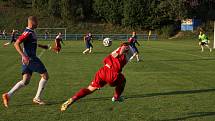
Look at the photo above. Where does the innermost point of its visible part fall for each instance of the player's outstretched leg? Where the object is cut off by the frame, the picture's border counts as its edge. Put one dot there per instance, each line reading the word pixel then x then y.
pixel 137 56
pixel 19 85
pixel 90 50
pixel 133 56
pixel 202 47
pixel 85 51
pixel 210 49
pixel 80 94
pixel 119 89
pixel 42 84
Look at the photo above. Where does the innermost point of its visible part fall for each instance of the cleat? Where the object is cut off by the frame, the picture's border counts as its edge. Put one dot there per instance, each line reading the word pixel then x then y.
pixel 38 101
pixel 120 99
pixel 5 99
pixel 66 104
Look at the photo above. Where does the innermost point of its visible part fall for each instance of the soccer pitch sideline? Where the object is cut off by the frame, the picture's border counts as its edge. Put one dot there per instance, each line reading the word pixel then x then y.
pixel 174 82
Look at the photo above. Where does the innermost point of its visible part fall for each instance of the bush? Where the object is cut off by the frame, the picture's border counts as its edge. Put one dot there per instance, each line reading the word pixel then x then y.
pixel 168 31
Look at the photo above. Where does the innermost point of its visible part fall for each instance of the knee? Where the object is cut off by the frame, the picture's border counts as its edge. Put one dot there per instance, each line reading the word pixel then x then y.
pixel 91 88
pixel 45 76
pixel 26 81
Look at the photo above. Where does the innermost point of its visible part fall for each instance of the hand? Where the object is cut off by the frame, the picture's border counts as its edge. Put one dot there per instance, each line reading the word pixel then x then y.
pixel 25 60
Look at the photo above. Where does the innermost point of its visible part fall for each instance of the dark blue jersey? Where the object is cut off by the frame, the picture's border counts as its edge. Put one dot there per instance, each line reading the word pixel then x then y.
pixel 88 38
pixel 29 40
pixel 133 41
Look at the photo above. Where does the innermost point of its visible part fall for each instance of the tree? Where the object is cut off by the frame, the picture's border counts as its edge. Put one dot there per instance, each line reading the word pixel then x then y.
pixel 54 8
pixel 109 10
pixel 40 5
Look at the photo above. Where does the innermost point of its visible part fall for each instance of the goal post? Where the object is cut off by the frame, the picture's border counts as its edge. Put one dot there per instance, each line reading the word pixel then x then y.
pixel 214 34
pixel 52 31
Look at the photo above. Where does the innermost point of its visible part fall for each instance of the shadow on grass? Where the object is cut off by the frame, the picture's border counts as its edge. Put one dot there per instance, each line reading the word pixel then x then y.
pixel 73 52
pixel 181 92
pixel 142 95
pixel 184 60
pixel 136 96
pixel 190 116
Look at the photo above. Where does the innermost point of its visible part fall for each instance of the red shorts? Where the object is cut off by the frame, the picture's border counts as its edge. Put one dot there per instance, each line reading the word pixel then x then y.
pixel 106 76
pixel 57 47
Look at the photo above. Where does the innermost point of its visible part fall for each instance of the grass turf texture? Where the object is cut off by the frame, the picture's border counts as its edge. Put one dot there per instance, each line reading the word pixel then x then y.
pixel 175 82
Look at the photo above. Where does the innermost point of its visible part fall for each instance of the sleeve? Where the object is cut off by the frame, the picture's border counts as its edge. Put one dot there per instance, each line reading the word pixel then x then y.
pixel 199 38
pixel 124 49
pixel 23 37
pixel 207 37
pixel 130 40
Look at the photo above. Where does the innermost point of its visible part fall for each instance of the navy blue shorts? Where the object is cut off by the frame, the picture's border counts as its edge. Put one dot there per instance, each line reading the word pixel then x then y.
pixel 89 45
pixel 135 49
pixel 35 65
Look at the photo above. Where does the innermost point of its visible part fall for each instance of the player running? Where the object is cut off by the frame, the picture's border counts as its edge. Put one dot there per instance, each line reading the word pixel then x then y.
pixel 58 41
pixel 204 41
pixel 110 73
pixel 133 41
pixel 30 62
pixel 87 41
pixel 13 38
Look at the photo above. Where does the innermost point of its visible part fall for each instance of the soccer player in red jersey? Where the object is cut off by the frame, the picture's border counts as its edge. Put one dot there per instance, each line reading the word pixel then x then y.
pixel 58 41
pixel 110 73
pixel 30 62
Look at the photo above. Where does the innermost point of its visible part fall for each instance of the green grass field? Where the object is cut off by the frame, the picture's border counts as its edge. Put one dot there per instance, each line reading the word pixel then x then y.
pixel 174 82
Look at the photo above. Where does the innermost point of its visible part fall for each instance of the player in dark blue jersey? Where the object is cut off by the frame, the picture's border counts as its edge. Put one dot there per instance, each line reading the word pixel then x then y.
pixel 13 38
pixel 87 41
pixel 30 62
pixel 133 41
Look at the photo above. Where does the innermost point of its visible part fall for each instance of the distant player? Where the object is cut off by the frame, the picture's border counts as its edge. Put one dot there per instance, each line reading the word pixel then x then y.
pixel 204 41
pixel 30 62
pixel 46 35
pixel 110 73
pixel 133 41
pixel 13 38
pixel 87 41
pixel 58 41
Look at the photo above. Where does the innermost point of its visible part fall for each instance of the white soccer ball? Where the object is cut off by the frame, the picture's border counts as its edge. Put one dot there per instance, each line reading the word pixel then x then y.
pixel 107 42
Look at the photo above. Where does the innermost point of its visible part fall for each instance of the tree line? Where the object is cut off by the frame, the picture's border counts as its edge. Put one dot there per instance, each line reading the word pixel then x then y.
pixel 145 14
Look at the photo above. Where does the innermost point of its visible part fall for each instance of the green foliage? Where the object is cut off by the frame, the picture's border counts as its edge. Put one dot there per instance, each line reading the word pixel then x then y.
pixel 134 13
pixel 109 10
pixel 54 8
pixel 130 14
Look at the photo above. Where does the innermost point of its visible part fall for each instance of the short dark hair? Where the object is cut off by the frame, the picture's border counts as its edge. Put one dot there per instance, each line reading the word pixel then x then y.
pixel 32 18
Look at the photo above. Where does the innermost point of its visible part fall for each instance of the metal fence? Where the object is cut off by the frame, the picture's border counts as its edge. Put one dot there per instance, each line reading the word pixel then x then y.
pixel 95 36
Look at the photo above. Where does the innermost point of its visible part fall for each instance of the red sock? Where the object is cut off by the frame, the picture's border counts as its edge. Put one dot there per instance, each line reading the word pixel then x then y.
pixel 81 93
pixel 119 89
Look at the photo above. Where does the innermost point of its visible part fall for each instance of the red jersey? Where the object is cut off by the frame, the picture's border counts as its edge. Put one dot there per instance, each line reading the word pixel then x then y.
pixel 58 40
pixel 118 58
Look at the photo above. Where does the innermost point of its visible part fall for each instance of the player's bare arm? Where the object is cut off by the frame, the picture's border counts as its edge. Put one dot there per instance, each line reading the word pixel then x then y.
pixel 25 58
pixel 43 46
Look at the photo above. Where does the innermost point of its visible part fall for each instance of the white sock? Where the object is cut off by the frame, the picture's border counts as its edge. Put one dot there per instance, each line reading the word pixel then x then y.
pixel 86 51
pixel 41 87
pixel 90 50
pixel 137 56
pixel 15 88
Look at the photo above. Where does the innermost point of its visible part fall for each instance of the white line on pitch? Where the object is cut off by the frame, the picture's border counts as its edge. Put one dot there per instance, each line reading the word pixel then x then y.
pixel 179 53
pixel 42 52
